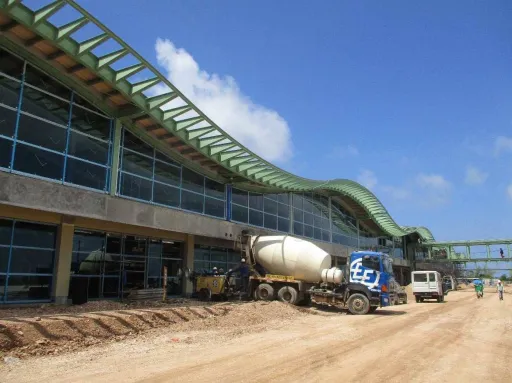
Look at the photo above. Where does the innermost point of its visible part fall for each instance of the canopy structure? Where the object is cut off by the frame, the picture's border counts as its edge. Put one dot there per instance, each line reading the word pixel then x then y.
pixel 85 54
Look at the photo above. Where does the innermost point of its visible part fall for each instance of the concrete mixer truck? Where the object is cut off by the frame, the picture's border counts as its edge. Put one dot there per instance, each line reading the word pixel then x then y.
pixel 297 271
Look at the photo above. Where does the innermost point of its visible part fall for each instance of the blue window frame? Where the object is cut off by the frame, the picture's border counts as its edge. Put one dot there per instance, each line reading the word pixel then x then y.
pixel 148 175
pixel 49 132
pixel 271 211
pixel 27 255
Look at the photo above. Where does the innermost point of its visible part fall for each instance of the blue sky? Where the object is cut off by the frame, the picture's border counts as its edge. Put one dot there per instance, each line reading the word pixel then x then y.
pixel 413 99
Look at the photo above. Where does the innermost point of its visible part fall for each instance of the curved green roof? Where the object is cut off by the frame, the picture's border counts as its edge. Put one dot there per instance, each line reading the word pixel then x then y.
pixel 184 119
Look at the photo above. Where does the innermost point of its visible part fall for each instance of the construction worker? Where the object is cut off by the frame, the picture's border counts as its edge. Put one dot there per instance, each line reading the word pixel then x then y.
pixel 244 271
pixel 479 289
pixel 500 289
pixel 215 272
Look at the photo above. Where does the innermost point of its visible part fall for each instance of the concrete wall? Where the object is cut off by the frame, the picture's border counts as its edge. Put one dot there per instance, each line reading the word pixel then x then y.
pixel 90 209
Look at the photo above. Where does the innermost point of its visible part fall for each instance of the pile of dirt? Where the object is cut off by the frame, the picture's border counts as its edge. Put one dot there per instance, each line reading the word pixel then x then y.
pixel 48 335
pixel 92 306
pixel 24 336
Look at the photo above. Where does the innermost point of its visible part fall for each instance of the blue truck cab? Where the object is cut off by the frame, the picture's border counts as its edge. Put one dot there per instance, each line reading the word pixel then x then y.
pixel 373 270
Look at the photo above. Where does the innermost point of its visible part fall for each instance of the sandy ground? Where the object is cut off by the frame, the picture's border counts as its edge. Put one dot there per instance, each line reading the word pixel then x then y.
pixel 460 340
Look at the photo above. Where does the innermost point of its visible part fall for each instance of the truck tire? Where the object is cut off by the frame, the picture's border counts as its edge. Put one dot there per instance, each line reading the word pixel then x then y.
pixel 288 294
pixel 205 295
pixel 264 292
pixel 358 304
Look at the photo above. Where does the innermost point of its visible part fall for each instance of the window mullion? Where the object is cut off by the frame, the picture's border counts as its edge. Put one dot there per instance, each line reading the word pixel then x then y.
pixel 20 101
pixel 68 134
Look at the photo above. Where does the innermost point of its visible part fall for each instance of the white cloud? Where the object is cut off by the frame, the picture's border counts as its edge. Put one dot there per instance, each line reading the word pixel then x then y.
pixel 435 189
pixel 397 193
pixel 432 182
pixel 368 179
pixel 475 176
pixel 502 144
pixel 344 152
pixel 509 191
pixel 260 129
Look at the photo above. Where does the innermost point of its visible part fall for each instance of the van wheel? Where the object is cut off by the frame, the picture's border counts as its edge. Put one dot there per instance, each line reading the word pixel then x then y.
pixel 264 292
pixel 288 294
pixel 358 304
pixel 418 299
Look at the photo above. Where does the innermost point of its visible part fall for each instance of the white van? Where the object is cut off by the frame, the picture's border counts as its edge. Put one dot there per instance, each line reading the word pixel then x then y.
pixel 427 285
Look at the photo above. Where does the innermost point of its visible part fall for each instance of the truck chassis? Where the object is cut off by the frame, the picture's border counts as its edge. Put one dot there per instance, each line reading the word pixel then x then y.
pixel 357 298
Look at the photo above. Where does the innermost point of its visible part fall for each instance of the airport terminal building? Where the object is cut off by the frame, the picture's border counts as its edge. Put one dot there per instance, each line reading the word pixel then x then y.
pixel 106 178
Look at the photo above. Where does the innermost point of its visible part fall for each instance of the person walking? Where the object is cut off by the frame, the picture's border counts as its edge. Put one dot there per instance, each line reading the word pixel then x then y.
pixel 500 289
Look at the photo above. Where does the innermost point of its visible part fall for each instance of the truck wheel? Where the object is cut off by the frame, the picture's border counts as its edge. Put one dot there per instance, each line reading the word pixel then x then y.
pixel 358 304
pixel 288 294
pixel 205 295
pixel 417 299
pixel 265 292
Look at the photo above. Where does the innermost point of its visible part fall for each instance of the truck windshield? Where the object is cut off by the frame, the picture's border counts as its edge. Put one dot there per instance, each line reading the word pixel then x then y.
pixel 371 262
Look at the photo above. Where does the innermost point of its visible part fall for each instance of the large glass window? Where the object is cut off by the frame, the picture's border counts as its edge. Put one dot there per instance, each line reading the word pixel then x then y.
pixel 110 265
pixel 344 225
pixel 56 138
pixel 148 175
pixel 271 211
pixel 27 254
pixel 311 216
pixel 208 257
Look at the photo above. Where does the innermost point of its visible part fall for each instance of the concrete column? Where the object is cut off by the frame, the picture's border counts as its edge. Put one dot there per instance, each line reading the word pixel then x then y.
pixel 188 262
pixel 63 263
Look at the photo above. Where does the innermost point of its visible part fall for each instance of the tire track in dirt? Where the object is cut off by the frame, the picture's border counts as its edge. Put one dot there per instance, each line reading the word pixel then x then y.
pixel 320 340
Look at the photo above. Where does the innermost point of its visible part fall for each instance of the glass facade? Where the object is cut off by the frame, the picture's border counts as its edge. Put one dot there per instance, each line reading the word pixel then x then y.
pixel 113 264
pixel 27 254
pixel 208 257
pixel 148 175
pixel 311 216
pixel 271 211
pixel 47 131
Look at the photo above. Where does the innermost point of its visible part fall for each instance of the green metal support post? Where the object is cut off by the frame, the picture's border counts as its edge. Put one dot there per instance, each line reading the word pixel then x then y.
pixel 115 156
pixel 488 248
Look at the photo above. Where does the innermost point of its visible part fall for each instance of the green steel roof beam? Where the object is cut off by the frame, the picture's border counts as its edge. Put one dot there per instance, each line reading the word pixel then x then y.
pixel 128 71
pixel 157 101
pixel 239 160
pixel 208 141
pixel 251 165
pixel 111 57
pixel 143 85
pixel 188 122
pixel 215 149
pixel 90 44
pixel 175 112
pixel 47 11
pixel 224 156
pixel 192 134
pixel 71 27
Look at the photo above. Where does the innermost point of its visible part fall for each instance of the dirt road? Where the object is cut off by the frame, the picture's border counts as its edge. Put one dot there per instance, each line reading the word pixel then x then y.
pixel 460 340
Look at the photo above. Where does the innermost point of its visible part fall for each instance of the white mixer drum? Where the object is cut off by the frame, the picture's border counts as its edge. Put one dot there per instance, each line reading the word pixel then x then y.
pixel 285 255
